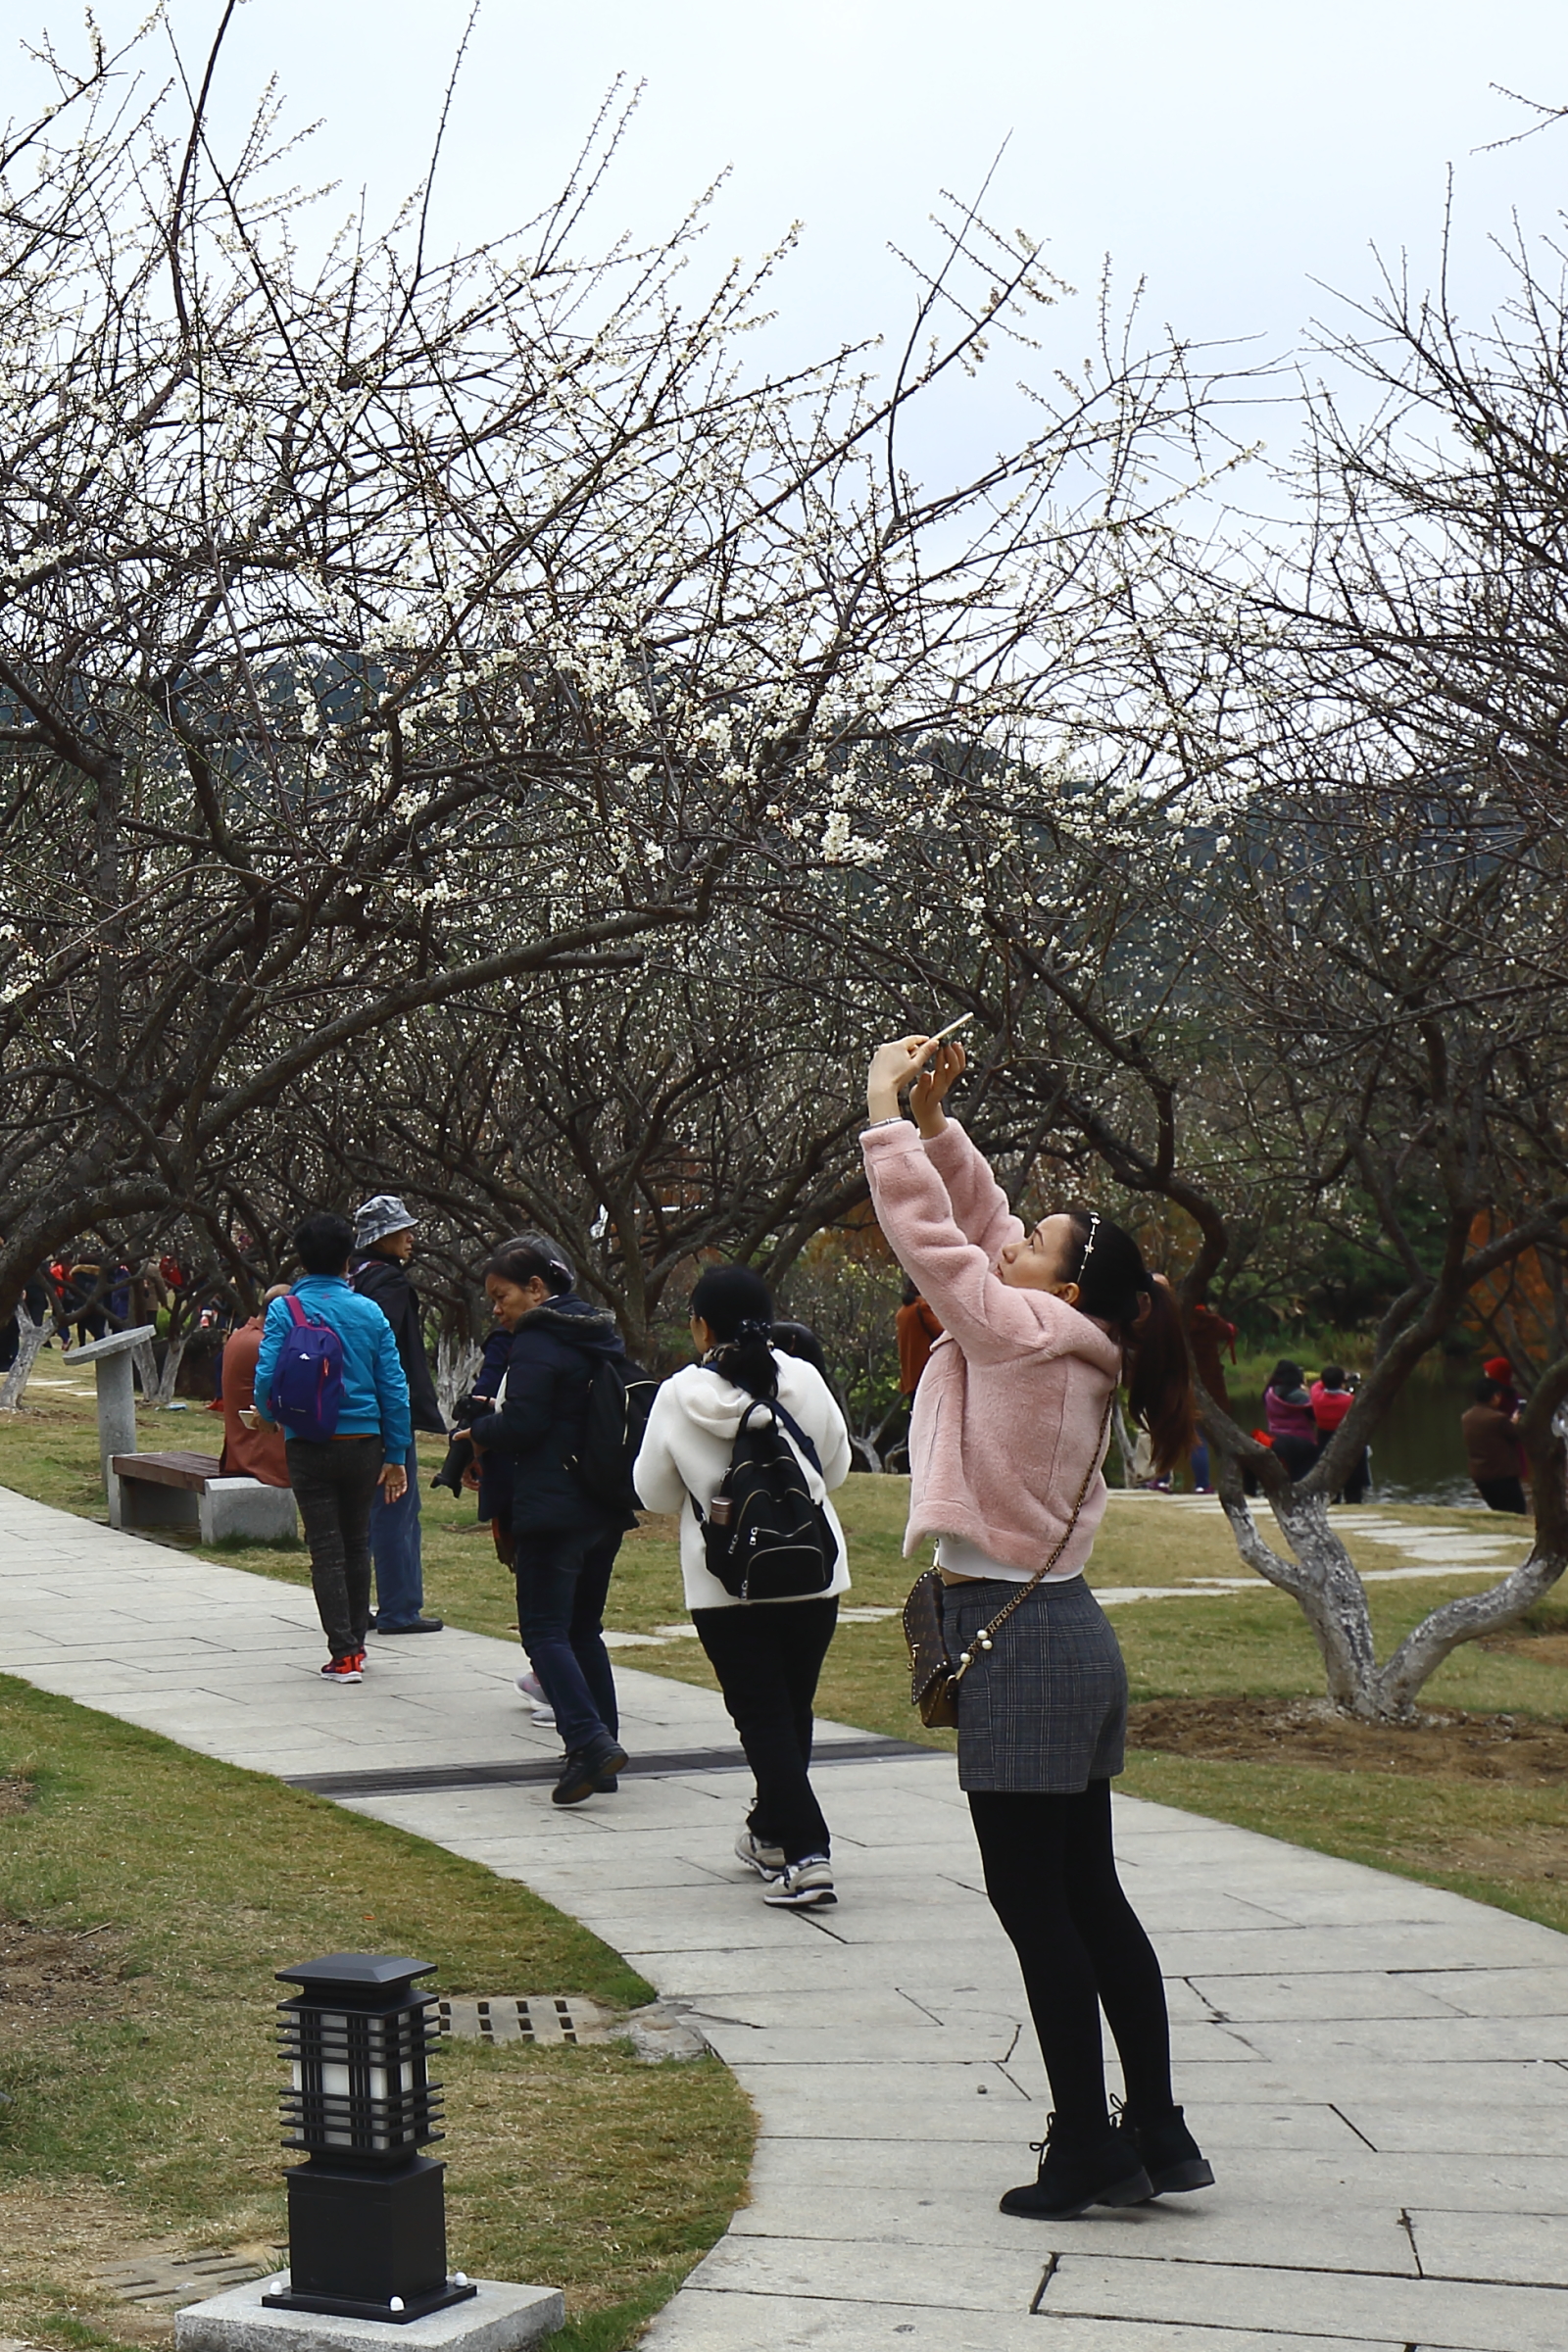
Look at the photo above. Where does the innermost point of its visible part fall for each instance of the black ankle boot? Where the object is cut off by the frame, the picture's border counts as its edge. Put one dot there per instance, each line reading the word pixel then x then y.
pixel 1104 2168
pixel 1172 2157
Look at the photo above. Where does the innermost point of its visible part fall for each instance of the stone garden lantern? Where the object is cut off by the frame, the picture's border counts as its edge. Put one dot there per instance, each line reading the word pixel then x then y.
pixel 367 2211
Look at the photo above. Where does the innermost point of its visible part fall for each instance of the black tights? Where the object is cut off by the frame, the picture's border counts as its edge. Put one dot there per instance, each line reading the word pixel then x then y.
pixel 1051 1874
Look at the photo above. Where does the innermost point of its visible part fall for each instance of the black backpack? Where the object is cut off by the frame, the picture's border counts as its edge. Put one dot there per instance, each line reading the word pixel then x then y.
pixel 621 1397
pixel 765 1536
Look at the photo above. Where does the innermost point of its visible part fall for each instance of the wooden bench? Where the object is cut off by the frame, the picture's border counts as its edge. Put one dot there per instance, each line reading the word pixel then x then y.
pixel 189 1490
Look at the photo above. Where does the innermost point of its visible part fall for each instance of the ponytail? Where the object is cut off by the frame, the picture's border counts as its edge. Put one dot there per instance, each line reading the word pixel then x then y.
pixel 1115 1287
pixel 735 1305
pixel 1159 1379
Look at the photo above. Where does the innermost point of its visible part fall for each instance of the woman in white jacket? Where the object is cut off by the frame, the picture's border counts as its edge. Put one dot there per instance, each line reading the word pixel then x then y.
pixel 768 1654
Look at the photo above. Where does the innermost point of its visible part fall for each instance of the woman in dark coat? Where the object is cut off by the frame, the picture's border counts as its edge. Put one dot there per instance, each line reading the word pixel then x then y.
pixel 563 1541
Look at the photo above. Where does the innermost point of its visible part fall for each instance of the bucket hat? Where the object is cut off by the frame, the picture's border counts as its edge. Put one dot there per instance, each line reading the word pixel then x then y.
pixel 375 1219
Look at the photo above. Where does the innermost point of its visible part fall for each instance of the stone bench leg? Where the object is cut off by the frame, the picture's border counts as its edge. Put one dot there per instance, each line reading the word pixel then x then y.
pixel 244 1507
pixel 143 1504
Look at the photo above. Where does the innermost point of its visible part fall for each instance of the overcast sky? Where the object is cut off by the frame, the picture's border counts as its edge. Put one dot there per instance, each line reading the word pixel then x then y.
pixel 1230 152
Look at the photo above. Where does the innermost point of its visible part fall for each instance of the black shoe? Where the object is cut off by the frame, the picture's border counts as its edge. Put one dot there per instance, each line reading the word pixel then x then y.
pixel 1104 2170
pixel 416 1625
pixel 1172 2157
pixel 587 1769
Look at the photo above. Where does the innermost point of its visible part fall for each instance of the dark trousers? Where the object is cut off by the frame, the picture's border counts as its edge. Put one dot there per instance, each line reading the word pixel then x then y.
pixel 1360 1475
pixel 1296 1453
pixel 1502 1493
pixel 563 1582
pixel 334 1486
pixel 1051 1874
pixel 767 1656
pixel 1360 1478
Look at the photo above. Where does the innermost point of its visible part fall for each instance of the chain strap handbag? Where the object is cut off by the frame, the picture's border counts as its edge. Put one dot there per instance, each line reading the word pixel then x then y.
pixel 934 1673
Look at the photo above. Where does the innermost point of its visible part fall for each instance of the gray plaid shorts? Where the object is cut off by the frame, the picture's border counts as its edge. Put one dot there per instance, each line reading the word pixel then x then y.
pixel 1045 1708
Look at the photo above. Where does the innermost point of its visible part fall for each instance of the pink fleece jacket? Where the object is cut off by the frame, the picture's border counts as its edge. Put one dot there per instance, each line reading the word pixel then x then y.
pixel 1007 1414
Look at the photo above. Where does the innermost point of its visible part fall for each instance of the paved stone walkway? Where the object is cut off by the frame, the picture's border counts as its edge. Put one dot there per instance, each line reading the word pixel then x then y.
pixel 1379 2071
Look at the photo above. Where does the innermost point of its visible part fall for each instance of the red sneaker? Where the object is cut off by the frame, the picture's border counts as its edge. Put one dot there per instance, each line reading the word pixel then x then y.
pixel 350 1669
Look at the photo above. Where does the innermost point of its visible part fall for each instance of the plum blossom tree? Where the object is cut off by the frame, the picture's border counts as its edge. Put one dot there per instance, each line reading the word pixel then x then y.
pixel 1252 954
pixel 386 632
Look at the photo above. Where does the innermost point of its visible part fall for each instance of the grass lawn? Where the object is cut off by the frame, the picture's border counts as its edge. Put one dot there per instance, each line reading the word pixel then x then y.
pixel 147 1895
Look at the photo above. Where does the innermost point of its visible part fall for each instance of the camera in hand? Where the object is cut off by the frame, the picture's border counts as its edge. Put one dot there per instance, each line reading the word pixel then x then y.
pixel 459 1454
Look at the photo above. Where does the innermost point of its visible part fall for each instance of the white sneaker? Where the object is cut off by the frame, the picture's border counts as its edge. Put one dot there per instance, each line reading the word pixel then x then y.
pixel 803 1882
pixel 766 1860
pixel 532 1689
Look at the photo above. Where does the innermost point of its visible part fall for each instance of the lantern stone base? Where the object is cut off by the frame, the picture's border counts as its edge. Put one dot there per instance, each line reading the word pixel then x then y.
pixel 500 2317
pixel 357 2240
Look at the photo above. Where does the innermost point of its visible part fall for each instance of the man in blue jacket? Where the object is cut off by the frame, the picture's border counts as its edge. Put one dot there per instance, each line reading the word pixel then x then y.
pixel 335 1479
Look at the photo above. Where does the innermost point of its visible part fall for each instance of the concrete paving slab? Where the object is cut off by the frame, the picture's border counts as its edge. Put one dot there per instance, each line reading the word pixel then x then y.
pixel 1527 2248
pixel 1224 2227
pixel 1429 1946
pixel 1425 2041
pixel 1421 2124
pixel 702 2320
pixel 1325 1997
pixel 1428 2312
pixel 1347 2042
pixel 1352 2172
pixel 938 2278
pixel 1524 1991
pixel 1464 2085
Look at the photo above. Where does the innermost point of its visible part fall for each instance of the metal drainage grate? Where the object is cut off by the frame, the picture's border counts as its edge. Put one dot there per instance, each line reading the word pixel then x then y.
pixel 160 2278
pixel 512 2016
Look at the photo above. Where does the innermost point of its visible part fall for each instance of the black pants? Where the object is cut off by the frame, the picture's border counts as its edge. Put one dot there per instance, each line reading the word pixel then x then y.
pixel 767 1656
pixel 1360 1478
pixel 562 1584
pixel 1296 1453
pixel 334 1486
pixel 1502 1493
pixel 1051 1874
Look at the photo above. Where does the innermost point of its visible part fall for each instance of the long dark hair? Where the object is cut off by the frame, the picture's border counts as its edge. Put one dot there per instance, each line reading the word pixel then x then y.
pixel 1286 1377
pixel 735 1305
pixel 1115 1287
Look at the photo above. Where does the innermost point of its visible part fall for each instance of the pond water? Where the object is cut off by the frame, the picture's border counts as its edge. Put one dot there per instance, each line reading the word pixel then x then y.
pixel 1418 1453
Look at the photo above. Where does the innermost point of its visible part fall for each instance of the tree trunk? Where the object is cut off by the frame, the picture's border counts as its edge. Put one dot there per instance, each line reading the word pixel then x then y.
pixel 164 1386
pixel 1322 1580
pixel 158 1387
pixel 30 1336
pixel 1126 1443
pixel 456 1361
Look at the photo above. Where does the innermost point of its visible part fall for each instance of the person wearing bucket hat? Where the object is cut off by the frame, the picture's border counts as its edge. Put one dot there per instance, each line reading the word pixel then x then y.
pixel 383 1243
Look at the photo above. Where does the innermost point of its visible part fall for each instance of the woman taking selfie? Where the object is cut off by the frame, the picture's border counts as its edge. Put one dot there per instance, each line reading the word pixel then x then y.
pixel 1008 1434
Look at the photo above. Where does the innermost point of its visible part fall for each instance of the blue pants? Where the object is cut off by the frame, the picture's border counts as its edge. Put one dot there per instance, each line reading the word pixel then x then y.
pixel 395 1550
pixel 563 1582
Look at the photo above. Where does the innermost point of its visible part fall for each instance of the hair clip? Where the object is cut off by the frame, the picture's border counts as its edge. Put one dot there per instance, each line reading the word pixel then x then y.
pixel 1094 1228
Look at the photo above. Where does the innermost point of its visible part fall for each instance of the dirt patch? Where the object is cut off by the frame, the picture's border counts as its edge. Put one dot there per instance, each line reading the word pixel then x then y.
pixel 45 1974
pixel 1544 1650
pixel 14 1796
pixel 1306 1731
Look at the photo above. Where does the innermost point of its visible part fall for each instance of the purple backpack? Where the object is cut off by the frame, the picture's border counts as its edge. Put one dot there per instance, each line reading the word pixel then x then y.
pixel 307 1377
